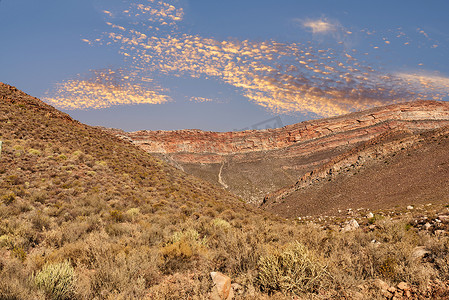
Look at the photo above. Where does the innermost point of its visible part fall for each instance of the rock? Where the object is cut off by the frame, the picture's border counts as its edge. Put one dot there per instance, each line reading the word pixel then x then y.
pixel 370 215
pixel 419 252
pixel 251 291
pixel 410 207
pixel 403 286
pixel 392 289
pixel 427 226
pixel 381 284
pixel 352 225
pixel 222 289
pixel 444 218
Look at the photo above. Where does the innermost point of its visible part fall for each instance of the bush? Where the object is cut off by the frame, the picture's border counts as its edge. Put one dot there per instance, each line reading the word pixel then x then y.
pixel 292 271
pixel 57 280
pixel 9 198
pixel 182 249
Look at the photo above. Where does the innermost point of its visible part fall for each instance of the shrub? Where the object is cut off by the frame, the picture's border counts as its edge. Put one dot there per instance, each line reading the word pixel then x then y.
pixel 9 198
pixel 19 253
pixel 292 271
pixel 221 224
pixel 117 215
pixel 34 152
pixel 387 268
pixel 57 280
pixel 182 249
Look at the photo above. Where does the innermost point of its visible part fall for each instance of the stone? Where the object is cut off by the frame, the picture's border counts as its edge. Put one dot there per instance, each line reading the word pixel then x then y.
pixel 381 284
pixel 198 148
pixel 352 225
pixel 410 207
pixel 403 286
pixel 222 286
pixel 420 252
pixel 392 289
pixel 444 218
pixel 427 226
pixel 370 215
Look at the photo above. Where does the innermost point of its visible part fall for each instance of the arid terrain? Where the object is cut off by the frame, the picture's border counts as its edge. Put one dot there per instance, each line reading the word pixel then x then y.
pixel 262 164
pixel 360 208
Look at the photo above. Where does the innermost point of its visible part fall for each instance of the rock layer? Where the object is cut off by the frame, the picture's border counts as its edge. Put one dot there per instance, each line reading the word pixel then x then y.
pixel 254 163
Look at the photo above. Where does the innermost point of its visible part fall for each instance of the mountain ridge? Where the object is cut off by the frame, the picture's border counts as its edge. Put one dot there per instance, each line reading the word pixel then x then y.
pixel 254 163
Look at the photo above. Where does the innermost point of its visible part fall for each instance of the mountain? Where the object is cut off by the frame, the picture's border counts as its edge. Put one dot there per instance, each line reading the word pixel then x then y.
pixel 254 163
pixel 397 169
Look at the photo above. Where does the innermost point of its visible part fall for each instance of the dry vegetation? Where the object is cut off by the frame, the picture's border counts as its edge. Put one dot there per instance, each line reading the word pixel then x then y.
pixel 84 215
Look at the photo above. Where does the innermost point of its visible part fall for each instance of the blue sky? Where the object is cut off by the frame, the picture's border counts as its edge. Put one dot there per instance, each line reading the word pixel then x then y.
pixel 222 65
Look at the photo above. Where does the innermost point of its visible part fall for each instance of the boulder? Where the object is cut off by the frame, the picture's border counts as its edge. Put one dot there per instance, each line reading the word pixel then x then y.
pixel 403 286
pixel 382 285
pixel 352 225
pixel 419 252
pixel 222 287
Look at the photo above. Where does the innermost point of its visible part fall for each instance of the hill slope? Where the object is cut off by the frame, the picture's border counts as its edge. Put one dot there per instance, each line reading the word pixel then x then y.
pixel 72 192
pixel 84 215
pixel 397 169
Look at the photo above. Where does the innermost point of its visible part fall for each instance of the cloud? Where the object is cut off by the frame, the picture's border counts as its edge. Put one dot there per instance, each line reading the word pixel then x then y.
pixel 200 99
pixel 101 89
pixel 423 82
pixel 321 26
pixel 281 77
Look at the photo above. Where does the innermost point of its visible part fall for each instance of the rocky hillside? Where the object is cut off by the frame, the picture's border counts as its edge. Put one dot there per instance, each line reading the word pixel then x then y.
pixel 86 215
pixel 253 163
pixel 397 169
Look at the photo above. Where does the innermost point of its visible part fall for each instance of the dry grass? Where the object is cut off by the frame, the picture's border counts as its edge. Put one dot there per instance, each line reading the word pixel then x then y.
pixel 134 227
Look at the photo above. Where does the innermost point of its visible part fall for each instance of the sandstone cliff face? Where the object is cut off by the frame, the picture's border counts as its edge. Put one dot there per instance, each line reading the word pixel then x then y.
pixel 223 143
pixel 254 163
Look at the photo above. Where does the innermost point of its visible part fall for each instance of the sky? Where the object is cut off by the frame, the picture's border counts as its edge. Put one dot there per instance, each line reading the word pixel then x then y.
pixel 223 65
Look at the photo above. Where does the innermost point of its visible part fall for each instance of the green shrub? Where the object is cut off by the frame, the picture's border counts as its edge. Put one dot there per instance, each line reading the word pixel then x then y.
pixel 294 270
pixel 19 253
pixel 57 280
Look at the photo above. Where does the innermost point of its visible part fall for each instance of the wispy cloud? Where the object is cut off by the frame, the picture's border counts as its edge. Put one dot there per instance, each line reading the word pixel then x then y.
pixel 102 89
pixel 200 99
pixel 282 77
pixel 320 26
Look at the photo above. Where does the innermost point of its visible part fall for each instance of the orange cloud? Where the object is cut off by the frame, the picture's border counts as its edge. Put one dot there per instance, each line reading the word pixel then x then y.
pixel 282 77
pixel 102 89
